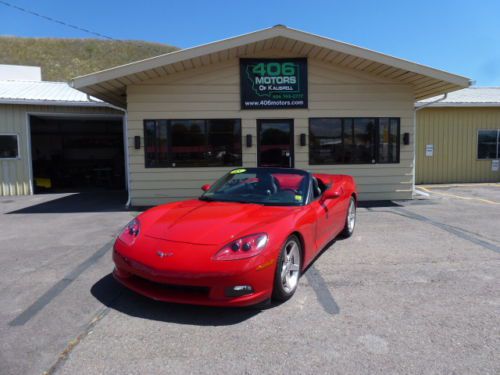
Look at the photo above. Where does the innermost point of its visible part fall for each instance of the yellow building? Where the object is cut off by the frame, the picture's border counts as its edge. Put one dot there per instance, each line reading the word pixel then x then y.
pixel 276 97
pixel 458 137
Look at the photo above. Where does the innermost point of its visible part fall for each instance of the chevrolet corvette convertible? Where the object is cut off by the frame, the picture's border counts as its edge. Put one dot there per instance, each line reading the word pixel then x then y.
pixel 245 240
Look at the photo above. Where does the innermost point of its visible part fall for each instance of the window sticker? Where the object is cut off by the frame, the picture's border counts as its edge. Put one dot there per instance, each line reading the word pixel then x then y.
pixel 298 198
pixel 238 171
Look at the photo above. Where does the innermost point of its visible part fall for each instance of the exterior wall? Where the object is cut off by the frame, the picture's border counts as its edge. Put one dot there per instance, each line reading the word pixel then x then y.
pixel 15 173
pixel 453 132
pixel 213 91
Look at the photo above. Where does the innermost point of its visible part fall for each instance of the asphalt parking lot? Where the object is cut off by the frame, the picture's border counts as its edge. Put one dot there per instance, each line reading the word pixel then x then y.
pixel 415 290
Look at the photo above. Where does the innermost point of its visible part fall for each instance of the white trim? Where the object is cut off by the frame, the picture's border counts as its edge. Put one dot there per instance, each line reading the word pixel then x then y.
pixel 18 157
pixel 190 53
pixel 127 158
pixel 458 104
pixel 28 150
pixel 59 103
pixel 75 114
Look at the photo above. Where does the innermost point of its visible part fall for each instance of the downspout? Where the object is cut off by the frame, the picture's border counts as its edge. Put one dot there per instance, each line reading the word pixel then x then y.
pixel 445 95
pixel 125 138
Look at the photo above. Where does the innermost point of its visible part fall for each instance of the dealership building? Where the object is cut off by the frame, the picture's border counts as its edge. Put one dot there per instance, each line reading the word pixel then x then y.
pixel 276 97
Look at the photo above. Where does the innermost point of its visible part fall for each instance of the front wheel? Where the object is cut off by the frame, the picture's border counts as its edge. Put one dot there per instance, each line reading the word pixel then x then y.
pixel 288 268
pixel 350 220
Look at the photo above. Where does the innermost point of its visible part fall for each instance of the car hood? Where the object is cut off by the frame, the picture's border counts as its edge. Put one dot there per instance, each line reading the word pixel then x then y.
pixel 210 223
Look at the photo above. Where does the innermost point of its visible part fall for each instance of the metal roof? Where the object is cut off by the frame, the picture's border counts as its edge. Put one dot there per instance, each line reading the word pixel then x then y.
pixel 45 93
pixel 470 97
pixel 110 85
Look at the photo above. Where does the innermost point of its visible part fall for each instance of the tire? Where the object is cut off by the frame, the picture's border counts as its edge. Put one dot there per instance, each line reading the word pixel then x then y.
pixel 286 278
pixel 350 221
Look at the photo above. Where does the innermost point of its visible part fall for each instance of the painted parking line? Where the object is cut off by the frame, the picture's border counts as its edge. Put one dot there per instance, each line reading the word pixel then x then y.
pixel 458 232
pixel 429 190
pixel 58 287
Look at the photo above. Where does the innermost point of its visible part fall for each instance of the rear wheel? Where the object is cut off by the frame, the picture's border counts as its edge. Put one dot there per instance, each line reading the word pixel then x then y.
pixel 350 220
pixel 288 268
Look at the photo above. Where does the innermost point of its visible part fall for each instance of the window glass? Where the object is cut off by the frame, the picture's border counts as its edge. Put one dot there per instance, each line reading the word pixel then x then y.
pixel 192 143
pixel 361 148
pixel 188 142
pixel 326 141
pixel 8 146
pixel 487 146
pixel 224 142
pixel 353 140
pixel 388 140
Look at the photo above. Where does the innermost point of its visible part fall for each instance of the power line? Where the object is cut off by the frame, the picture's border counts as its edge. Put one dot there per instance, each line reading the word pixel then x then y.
pixel 55 20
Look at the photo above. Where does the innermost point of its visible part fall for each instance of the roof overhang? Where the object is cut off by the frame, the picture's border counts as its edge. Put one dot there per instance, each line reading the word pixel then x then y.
pixel 54 103
pixel 110 85
pixel 457 104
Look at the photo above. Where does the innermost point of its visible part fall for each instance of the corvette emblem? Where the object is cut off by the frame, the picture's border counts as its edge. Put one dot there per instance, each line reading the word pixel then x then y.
pixel 163 254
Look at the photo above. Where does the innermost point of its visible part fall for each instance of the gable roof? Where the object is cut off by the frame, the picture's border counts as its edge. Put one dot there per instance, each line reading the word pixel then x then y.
pixel 110 85
pixel 470 97
pixel 45 93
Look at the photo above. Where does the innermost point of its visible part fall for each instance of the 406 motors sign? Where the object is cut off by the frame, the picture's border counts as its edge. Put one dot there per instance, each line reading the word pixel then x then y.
pixel 273 83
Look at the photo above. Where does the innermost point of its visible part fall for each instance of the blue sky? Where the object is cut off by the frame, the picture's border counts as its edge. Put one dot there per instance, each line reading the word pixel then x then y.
pixel 459 36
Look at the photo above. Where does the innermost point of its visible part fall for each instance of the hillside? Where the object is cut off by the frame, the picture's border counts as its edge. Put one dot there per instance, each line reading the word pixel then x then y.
pixel 63 59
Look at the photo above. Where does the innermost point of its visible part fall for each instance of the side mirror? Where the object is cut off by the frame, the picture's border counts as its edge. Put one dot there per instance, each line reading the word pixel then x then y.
pixel 332 194
pixel 205 187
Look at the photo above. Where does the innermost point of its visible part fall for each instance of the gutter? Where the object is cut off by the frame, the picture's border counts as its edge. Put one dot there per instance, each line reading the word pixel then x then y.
pixel 125 138
pixel 57 103
pixel 445 95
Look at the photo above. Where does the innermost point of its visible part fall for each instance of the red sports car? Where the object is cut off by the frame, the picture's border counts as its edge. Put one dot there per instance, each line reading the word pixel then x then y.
pixel 245 240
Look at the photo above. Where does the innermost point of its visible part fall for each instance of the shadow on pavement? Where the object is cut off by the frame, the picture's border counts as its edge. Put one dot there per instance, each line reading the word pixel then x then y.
pixel 112 294
pixel 377 204
pixel 108 201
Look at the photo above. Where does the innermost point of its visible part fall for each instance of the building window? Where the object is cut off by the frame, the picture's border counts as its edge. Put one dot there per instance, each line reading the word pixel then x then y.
pixel 354 140
pixel 192 143
pixel 9 146
pixel 488 144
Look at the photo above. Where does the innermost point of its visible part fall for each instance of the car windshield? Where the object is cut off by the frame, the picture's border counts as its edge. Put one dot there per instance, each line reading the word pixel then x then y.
pixel 267 186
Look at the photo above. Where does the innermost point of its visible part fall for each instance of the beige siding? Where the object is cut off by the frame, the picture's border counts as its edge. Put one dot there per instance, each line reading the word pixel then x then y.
pixel 453 132
pixel 15 174
pixel 213 92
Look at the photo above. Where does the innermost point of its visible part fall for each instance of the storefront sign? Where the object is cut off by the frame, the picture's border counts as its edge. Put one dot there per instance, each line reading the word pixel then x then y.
pixel 273 83
pixel 429 150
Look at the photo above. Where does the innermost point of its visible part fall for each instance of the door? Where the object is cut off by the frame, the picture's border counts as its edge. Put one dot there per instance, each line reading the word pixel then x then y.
pixel 275 143
pixel 330 214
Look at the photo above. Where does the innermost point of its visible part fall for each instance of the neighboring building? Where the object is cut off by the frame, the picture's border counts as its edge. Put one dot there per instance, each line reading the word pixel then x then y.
pixel 54 138
pixel 458 138
pixel 276 97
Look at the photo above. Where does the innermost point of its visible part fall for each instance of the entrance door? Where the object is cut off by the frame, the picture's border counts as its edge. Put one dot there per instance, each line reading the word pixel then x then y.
pixel 275 143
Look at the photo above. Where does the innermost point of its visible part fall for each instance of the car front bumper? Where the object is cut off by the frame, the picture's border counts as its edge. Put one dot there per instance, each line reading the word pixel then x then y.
pixel 189 285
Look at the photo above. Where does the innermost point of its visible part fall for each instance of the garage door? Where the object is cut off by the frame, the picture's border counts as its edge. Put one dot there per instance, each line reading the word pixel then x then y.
pixel 77 154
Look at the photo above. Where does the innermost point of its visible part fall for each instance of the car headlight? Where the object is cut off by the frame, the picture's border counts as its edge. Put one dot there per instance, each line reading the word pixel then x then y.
pixel 244 247
pixel 130 232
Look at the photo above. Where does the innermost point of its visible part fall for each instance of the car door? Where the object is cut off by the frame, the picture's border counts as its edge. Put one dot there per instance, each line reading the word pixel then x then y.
pixel 324 210
pixel 330 215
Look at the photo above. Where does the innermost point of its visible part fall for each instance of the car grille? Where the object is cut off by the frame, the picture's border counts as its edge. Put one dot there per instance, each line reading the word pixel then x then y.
pixel 173 288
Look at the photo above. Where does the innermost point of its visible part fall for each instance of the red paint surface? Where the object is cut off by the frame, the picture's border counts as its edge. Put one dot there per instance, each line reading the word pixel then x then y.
pixel 190 233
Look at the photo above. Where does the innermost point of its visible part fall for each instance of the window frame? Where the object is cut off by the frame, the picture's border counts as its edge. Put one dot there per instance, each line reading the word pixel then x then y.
pixel 375 147
pixel 18 157
pixel 168 162
pixel 498 144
